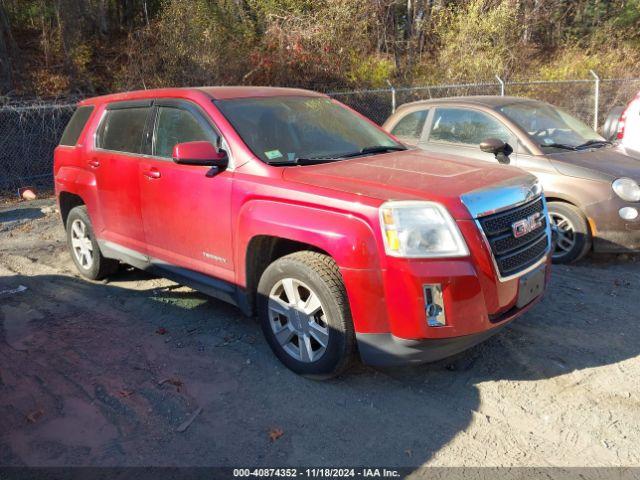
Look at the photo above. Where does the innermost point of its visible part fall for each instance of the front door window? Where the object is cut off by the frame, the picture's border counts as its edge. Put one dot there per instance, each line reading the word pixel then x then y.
pixel 467 127
pixel 175 125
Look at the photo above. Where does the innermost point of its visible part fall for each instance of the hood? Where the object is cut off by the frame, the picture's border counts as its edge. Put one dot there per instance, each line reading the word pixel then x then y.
pixel 410 175
pixel 604 164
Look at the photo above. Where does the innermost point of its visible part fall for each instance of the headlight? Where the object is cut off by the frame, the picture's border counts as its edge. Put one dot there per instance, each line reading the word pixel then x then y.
pixel 536 188
pixel 420 229
pixel 627 189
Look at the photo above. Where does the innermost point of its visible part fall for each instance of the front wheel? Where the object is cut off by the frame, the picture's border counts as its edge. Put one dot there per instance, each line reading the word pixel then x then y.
pixel 304 314
pixel 573 234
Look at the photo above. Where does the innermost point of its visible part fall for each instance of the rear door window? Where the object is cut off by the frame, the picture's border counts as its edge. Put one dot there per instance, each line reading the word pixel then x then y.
pixel 122 130
pixel 409 128
pixel 175 125
pixel 75 126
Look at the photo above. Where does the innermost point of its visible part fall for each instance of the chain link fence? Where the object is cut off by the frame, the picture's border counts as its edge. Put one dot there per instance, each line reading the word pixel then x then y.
pixel 29 132
pixel 588 99
pixel 575 96
pixel 615 92
pixel 28 135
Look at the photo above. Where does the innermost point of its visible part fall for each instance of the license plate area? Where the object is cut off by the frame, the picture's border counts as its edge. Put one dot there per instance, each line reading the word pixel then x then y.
pixel 530 286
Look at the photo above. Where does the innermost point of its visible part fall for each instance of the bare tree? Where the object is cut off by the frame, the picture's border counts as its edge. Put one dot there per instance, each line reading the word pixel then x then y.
pixel 7 49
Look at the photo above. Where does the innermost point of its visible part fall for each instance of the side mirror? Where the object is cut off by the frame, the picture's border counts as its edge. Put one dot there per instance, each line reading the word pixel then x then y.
pixel 499 148
pixel 200 153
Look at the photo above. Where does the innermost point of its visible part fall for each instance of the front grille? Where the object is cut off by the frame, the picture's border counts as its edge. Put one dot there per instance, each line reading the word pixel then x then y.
pixel 513 255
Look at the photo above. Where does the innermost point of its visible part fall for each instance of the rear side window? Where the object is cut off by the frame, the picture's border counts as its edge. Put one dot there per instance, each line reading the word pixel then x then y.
pixel 410 126
pixel 122 129
pixel 178 126
pixel 75 126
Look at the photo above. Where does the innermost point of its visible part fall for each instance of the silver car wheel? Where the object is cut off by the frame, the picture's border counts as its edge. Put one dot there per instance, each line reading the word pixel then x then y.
pixel 566 235
pixel 298 321
pixel 81 244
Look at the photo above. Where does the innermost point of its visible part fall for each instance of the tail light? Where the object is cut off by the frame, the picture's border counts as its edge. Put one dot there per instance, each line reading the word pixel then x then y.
pixel 623 118
pixel 620 133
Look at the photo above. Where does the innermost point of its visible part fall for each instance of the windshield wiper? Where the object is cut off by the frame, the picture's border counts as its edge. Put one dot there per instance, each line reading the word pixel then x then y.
pixel 558 145
pixel 304 161
pixel 375 149
pixel 593 143
pixel 313 160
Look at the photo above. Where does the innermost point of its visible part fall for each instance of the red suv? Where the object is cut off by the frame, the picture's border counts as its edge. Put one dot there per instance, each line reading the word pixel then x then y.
pixel 295 208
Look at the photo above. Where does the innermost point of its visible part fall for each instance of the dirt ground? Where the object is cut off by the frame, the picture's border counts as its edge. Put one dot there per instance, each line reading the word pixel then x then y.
pixel 108 373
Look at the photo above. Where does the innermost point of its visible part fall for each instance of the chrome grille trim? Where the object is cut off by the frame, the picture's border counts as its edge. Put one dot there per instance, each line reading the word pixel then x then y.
pixel 531 242
pixel 503 196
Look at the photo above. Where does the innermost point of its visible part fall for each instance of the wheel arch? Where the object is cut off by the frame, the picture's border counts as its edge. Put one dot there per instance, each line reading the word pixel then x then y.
pixel 558 198
pixel 268 230
pixel 75 186
pixel 262 251
pixel 590 227
pixel 66 202
pixel 562 199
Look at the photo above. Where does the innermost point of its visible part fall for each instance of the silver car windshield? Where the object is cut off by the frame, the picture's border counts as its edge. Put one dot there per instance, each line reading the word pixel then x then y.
pixel 281 130
pixel 551 127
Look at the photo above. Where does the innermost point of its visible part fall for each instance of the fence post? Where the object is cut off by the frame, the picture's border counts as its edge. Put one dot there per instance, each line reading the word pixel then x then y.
pixel 501 82
pixel 596 99
pixel 393 96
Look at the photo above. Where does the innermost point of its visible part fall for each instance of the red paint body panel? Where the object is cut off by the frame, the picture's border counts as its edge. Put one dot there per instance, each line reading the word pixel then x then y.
pixel 407 175
pixel 178 215
pixel 122 220
pixel 187 216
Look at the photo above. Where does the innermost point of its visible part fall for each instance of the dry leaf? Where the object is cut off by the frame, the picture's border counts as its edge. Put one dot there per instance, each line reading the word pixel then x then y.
pixel 176 382
pixel 34 416
pixel 162 331
pixel 275 434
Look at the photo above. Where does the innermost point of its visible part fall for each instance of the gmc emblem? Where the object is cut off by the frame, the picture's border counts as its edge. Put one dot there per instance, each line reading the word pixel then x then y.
pixel 526 225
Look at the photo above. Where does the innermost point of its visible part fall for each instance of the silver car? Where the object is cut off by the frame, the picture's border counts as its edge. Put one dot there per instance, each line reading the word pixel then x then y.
pixel 591 185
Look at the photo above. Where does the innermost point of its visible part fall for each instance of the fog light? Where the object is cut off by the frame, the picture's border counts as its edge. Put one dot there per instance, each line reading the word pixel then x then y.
pixel 628 213
pixel 434 306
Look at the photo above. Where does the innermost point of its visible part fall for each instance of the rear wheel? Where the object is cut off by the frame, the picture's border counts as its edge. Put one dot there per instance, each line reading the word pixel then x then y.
pixel 304 314
pixel 84 248
pixel 573 234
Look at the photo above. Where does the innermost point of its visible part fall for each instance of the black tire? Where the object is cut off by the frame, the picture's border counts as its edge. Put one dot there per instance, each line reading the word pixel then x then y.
pixel 581 233
pixel 610 128
pixel 320 273
pixel 100 266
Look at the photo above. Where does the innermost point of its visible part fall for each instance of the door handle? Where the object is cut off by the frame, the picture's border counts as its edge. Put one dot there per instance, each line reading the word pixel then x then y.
pixel 94 163
pixel 152 173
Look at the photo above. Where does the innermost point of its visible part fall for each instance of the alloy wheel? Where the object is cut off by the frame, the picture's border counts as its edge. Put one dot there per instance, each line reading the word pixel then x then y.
pixel 298 321
pixel 81 244
pixel 566 235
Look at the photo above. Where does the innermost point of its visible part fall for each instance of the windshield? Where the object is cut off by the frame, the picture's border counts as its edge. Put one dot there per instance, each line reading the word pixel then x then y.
pixel 549 126
pixel 285 129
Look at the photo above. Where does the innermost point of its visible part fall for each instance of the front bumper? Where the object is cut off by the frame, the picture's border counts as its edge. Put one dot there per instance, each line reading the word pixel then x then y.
pixel 414 310
pixel 387 350
pixel 612 234
pixel 388 305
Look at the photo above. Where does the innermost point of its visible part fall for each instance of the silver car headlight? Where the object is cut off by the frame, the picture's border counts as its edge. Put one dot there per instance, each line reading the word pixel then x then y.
pixel 416 229
pixel 627 189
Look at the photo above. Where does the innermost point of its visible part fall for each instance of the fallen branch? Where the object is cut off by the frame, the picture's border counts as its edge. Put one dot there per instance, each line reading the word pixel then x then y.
pixel 187 423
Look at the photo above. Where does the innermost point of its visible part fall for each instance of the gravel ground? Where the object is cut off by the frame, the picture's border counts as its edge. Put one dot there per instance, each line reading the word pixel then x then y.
pixel 108 373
